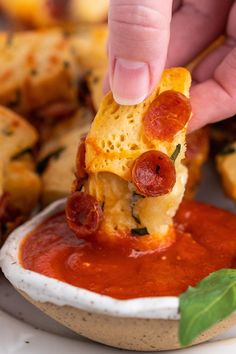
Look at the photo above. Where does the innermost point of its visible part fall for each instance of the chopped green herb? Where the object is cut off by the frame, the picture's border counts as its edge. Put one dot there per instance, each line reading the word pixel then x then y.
pixel 66 64
pixel 134 199
pixel 33 72
pixel 229 149
pixel 22 153
pixel 176 152
pixel 7 131
pixel 42 164
pixel 135 216
pixel 16 101
pixel 140 231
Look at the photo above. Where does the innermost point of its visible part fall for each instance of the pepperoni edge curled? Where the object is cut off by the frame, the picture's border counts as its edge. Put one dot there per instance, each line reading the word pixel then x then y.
pixel 83 214
pixel 153 174
pixel 167 115
pixel 80 167
pixel 80 159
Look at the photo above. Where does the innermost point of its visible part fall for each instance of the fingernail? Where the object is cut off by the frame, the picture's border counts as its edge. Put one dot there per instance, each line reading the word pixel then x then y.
pixel 130 82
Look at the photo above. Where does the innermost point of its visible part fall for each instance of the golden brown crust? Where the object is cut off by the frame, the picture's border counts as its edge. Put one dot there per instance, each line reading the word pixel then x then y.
pixel 116 139
pixel 226 165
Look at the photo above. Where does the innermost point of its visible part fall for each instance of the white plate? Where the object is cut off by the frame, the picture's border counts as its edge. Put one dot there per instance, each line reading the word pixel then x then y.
pixel 26 330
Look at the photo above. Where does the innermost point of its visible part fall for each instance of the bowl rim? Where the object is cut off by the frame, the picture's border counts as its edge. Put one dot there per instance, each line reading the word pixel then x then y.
pixel 45 289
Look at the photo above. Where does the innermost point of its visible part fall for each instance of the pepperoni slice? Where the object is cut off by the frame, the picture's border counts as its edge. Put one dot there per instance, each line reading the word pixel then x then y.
pixel 80 168
pixel 167 115
pixel 83 213
pixel 153 174
pixel 80 160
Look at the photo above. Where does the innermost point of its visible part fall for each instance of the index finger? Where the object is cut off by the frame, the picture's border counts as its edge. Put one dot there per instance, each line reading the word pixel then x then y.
pixel 215 99
pixel 194 26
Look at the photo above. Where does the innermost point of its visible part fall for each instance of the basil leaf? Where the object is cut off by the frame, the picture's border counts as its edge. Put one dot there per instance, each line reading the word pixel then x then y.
pixel 42 164
pixel 140 231
pixel 212 300
pixel 176 152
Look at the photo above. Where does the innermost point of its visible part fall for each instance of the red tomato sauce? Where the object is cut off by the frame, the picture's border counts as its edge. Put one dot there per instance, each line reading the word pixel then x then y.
pixel 205 242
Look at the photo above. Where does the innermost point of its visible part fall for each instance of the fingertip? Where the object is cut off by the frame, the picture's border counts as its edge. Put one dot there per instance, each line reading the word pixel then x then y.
pixel 138 43
pixel 130 81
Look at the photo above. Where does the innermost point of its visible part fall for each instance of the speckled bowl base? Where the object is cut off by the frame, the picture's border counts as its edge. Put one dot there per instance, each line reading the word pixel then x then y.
pixel 141 324
pixel 125 333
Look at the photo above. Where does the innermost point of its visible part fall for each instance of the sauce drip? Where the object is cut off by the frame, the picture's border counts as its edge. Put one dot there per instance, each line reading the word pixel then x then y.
pixel 205 242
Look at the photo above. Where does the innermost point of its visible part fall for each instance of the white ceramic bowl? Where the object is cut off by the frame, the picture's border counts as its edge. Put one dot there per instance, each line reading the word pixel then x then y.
pixel 144 324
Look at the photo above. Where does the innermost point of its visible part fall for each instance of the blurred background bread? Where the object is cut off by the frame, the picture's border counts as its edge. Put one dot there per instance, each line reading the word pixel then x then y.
pixel 44 13
pixel 20 185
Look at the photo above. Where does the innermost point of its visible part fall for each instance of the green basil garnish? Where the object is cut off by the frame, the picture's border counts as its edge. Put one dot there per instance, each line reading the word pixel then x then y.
pixel 212 300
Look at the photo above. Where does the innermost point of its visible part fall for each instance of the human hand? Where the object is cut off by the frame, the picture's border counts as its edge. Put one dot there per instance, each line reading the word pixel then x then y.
pixel 138 43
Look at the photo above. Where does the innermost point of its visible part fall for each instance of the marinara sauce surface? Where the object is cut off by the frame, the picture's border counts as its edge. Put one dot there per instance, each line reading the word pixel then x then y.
pixel 205 242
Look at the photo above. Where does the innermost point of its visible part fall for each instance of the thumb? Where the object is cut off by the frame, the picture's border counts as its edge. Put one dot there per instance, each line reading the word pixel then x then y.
pixel 137 48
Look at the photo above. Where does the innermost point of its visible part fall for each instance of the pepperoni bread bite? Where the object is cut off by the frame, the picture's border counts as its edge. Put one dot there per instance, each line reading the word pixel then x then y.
pixel 130 176
pixel 16 135
pixel 57 155
pixel 37 69
pixel 90 46
pixel 20 186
